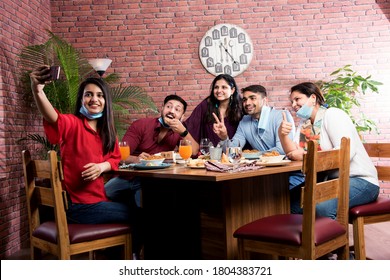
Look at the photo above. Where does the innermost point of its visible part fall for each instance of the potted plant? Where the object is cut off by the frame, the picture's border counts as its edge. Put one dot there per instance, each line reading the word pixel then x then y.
pixel 343 91
pixel 62 93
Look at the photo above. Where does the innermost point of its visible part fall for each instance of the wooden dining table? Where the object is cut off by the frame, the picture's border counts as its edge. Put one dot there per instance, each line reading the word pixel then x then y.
pixel 192 213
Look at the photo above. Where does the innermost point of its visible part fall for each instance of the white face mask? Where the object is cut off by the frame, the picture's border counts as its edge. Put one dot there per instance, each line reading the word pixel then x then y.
pixel 305 111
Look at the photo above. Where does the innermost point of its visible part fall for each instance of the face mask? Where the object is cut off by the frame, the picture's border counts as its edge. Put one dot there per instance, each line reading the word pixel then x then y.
pixel 88 115
pixel 161 120
pixel 305 112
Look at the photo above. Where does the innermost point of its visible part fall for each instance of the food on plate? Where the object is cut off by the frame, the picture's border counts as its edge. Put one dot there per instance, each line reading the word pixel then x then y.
pixel 196 163
pixel 247 151
pixel 271 154
pixel 205 157
pixel 154 157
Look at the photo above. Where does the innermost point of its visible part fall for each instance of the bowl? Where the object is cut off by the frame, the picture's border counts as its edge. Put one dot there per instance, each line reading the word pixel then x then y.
pixel 152 162
pixel 271 159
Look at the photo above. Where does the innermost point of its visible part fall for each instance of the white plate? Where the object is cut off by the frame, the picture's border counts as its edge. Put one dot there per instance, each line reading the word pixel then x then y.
pixel 279 163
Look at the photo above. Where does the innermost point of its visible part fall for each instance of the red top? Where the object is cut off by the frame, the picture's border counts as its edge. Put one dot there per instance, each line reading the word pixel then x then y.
pixel 79 145
pixel 142 137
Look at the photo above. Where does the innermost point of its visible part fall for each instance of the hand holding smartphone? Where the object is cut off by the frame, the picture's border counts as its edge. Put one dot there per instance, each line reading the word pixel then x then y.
pixel 55 72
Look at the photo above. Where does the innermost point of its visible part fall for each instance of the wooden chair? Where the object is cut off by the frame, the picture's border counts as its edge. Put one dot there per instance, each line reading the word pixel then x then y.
pixel 375 212
pixel 43 190
pixel 306 236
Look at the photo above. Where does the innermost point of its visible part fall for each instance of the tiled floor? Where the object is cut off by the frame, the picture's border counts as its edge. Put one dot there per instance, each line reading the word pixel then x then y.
pixel 377 245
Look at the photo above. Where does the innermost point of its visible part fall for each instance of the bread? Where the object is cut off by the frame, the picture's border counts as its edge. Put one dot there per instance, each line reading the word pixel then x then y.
pixel 271 154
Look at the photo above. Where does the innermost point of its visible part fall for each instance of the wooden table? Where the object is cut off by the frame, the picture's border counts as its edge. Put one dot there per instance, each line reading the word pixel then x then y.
pixel 192 213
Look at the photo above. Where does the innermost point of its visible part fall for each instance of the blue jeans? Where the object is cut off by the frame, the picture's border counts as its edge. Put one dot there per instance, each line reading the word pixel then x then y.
pixel 123 190
pixel 98 213
pixel 360 192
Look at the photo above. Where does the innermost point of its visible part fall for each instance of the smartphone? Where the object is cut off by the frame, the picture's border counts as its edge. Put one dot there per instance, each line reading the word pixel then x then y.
pixel 55 72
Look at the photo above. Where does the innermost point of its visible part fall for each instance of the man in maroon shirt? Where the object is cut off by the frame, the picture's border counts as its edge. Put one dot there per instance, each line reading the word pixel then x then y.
pixel 148 136
pixel 145 137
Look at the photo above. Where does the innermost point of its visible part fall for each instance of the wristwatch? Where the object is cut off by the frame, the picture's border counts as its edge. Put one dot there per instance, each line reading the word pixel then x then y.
pixel 184 134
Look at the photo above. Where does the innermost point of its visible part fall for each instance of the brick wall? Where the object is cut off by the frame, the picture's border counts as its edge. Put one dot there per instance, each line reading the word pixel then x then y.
pixel 22 23
pixel 154 44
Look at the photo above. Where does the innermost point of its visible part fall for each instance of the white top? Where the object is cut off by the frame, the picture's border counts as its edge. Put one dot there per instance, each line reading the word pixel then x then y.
pixel 336 124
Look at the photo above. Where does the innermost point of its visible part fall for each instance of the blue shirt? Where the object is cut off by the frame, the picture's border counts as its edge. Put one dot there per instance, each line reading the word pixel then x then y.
pixel 262 134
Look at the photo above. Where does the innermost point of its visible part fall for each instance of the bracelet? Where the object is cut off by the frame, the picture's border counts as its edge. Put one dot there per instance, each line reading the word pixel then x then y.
pixel 184 134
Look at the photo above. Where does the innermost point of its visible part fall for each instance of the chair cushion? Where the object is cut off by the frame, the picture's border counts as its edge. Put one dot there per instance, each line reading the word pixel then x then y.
pixel 80 232
pixel 380 206
pixel 287 229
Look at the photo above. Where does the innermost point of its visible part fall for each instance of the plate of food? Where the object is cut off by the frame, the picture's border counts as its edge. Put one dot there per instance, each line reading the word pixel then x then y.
pixel 272 157
pixel 153 160
pixel 251 154
pixel 149 166
pixel 196 164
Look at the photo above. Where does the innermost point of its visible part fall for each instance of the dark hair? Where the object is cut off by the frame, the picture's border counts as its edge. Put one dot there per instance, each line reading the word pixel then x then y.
pixel 178 98
pixel 308 89
pixel 105 124
pixel 256 89
pixel 234 111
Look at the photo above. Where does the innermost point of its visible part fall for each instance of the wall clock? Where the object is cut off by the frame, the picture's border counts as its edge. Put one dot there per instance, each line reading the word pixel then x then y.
pixel 226 49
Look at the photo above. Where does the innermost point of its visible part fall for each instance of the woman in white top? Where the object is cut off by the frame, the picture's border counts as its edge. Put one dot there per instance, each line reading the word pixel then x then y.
pixel 327 126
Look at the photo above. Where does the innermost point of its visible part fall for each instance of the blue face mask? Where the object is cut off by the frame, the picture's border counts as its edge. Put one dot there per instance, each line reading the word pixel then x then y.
pixel 161 120
pixel 88 115
pixel 305 112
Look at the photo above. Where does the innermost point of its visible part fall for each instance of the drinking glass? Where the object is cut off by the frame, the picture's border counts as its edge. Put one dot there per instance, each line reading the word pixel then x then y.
pixel 125 151
pixel 204 146
pixel 185 150
pixel 234 153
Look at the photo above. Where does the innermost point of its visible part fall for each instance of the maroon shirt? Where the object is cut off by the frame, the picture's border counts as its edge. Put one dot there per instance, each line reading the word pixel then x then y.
pixel 142 137
pixel 199 128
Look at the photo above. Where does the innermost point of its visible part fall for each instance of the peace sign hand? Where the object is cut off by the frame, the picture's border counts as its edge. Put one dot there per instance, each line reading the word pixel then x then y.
pixel 219 128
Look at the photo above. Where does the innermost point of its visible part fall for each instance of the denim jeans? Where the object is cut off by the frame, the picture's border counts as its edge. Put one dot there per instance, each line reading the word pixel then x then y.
pixel 123 190
pixel 98 213
pixel 360 192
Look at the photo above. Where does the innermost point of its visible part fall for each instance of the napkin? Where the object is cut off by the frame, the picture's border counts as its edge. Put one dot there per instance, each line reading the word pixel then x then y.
pixel 220 167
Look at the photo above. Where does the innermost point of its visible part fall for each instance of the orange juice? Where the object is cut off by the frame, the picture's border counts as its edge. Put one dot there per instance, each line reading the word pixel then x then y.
pixel 125 152
pixel 185 151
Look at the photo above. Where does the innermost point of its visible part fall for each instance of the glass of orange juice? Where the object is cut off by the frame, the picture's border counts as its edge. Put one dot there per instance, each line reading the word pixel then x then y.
pixel 185 149
pixel 125 151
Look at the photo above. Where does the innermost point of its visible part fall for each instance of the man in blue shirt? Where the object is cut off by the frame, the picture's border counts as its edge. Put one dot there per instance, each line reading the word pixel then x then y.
pixel 260 126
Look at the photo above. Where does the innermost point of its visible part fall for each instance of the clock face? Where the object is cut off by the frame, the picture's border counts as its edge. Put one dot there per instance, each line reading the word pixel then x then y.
pixel 226 49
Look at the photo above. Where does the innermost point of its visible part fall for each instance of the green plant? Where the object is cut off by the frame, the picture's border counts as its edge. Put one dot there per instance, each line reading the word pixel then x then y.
pixel 344 90
pixel 62 93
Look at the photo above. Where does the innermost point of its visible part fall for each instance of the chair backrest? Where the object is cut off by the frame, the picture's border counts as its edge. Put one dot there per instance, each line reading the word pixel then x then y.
pixel 44 190
pixel 380 151
pixel 315 192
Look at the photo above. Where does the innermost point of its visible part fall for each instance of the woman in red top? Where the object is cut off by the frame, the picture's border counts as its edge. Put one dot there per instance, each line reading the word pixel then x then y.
pixel 88 148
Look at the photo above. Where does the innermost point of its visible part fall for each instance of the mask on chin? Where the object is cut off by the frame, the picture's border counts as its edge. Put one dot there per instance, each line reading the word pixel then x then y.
pixel 161 120
pixel 88 115
pixel 305 112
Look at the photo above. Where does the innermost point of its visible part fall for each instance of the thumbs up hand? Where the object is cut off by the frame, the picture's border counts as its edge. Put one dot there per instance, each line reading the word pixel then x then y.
pixel 285 126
